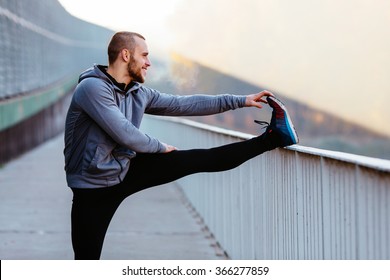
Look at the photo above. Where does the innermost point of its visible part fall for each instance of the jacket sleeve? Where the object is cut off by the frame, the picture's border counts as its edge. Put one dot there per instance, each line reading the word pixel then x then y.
pixel 191 105
pixel 96 99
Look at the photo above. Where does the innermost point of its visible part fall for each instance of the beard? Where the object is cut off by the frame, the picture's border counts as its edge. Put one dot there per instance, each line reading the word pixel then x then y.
pixel 135 73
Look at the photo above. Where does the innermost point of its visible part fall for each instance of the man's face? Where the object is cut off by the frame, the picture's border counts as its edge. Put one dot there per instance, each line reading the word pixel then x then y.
pixel 139 61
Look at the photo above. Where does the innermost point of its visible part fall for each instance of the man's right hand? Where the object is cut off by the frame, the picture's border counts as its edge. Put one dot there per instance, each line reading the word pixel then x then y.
pixel 255 100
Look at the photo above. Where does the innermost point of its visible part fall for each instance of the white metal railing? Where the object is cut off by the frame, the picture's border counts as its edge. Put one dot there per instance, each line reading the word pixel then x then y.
pixel 293 203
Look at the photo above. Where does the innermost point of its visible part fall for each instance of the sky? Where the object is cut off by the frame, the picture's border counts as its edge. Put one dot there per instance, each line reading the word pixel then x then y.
pixel 333 55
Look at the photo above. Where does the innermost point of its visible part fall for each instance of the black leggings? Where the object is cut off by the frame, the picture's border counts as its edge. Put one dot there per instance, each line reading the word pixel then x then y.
pixel 93 209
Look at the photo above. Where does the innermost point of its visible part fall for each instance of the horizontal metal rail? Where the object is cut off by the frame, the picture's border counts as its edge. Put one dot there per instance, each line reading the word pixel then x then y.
pixel 21 107
pixel 291 203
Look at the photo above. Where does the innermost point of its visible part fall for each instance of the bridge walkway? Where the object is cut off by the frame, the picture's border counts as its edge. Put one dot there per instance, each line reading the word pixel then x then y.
pixel 158 223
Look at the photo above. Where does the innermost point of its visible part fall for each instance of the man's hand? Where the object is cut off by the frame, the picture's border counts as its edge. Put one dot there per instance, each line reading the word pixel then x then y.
pixel 169 148
pixel 255 100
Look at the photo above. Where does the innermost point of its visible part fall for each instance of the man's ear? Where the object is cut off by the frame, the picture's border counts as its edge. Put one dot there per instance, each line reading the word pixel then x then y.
pixel 125 54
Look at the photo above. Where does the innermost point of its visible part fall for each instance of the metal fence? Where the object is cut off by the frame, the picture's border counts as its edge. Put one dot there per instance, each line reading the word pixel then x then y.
pixel 40 43
pixel 296 203
pixel 42 51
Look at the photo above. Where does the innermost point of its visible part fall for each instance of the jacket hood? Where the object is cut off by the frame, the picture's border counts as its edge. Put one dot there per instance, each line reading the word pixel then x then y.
pixel 96 72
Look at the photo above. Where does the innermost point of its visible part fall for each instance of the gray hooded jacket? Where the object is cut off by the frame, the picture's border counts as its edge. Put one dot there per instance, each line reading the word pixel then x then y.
pixel 102 126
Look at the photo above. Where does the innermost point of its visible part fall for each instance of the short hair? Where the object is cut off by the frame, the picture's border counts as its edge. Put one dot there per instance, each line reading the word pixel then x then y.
pixel 121 40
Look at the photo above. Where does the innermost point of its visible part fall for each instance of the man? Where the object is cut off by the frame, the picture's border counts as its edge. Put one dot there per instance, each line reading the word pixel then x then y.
pixel 107 157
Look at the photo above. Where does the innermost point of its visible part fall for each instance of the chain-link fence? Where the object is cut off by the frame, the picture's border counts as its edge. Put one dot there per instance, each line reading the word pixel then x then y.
pixel 42 50
pixel 40 43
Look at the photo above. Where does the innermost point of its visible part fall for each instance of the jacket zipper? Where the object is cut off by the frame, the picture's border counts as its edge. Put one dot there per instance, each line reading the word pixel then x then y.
pixel 119 177
pixel 126 105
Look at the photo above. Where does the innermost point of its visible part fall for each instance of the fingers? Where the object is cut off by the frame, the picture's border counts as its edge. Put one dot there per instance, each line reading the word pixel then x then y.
pixel 264 93
pixel 267 93
pixel 169 148
pixel 255 100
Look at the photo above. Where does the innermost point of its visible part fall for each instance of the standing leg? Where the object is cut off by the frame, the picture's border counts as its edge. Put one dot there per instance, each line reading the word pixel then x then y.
pixel 92 211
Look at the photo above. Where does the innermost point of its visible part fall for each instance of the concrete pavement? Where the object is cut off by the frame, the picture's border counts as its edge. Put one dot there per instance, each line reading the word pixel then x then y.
pixel 35 208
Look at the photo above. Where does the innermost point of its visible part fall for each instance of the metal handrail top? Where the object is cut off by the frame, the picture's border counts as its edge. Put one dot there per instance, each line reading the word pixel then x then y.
pixel 364 161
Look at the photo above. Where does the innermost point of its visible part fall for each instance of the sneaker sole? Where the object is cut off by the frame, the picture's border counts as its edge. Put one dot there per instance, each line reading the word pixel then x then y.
pixel 290 126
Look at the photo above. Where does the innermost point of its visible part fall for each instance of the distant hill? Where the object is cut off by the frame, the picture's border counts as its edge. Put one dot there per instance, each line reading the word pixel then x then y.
pixel 315 128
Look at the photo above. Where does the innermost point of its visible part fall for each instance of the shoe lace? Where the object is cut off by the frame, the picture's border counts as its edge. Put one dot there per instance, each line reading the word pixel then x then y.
pixel 264 124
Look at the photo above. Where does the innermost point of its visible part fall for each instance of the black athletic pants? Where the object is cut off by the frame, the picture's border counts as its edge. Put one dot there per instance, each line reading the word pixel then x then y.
pixel 93 209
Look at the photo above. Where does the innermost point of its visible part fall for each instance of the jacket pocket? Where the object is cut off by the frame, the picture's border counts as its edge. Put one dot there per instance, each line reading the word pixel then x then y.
pixel 103 164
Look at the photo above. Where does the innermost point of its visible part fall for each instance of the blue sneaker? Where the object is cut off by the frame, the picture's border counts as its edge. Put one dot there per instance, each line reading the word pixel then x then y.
pixel 281 122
